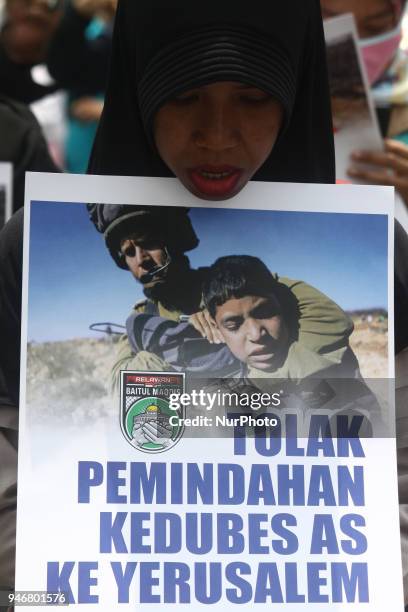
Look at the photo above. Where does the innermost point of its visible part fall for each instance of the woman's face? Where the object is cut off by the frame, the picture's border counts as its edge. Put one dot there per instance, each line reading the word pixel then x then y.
pixel 214 138
pixel 373 17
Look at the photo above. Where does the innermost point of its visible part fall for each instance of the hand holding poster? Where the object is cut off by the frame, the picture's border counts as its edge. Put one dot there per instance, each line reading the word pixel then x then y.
pixel 354 119
pixel 258 468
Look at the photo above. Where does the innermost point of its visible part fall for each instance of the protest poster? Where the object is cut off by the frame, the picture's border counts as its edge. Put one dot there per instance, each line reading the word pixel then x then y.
pixel 355 122
pixel 125 504
pixel 5 192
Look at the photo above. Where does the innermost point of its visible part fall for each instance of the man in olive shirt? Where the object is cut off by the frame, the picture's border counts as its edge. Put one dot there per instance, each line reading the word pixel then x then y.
pixel 275 327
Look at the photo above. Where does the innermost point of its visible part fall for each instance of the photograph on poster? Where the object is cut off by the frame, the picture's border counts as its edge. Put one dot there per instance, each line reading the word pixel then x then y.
pixel 355 122
pixel 111 341
pixel 323 303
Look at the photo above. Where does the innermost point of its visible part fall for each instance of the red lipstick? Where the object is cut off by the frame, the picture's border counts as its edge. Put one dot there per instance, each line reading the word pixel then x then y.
pixel 215 181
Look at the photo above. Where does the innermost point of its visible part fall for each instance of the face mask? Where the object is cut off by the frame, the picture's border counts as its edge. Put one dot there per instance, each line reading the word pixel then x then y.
pixel 379 51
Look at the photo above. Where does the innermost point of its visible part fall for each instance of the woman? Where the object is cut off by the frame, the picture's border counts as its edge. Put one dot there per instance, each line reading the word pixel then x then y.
pixel 162 55
pixel 162 50
pixel 176 105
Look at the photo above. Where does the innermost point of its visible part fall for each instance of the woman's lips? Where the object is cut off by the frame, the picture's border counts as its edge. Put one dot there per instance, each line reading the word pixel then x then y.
pixel 215 181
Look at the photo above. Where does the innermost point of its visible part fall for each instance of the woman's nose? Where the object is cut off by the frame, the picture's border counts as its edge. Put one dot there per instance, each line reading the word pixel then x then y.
pixel 216 129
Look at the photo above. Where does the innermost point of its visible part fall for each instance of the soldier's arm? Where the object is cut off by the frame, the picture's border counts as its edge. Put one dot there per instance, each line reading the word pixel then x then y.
pixel 123 361
pixel 124 353
pixel 178 344
pixel 323 325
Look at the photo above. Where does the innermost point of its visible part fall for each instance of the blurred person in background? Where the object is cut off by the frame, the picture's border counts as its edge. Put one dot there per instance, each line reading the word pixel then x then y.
pixel 52 32
pixel 26 32
pixel 23 144
pixel 379 26
pixel 78 58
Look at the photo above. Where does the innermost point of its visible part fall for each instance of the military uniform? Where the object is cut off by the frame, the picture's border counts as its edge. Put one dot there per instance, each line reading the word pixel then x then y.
pixel 322 338
pixel 127 359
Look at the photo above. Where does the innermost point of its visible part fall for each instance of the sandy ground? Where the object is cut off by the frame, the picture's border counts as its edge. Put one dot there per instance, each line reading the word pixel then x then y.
pixel 369 341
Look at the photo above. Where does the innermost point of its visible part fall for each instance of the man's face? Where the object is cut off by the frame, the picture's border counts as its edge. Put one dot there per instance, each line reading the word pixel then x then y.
pixel 373 17
pixel 214 138
pixel 254 331
pixel 142 255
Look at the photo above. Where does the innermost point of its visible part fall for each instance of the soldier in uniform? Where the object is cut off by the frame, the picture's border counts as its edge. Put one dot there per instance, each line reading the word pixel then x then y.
pixel 151 243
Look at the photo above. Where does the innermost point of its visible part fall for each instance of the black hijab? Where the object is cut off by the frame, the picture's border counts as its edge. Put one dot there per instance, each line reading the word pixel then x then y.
pixel 161 48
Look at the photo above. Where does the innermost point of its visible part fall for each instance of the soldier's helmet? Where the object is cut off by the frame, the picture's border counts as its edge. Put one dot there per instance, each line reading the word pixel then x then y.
pixel 119 221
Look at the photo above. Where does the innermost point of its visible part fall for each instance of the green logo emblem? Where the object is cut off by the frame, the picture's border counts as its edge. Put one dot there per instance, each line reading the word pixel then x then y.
pixel 147 422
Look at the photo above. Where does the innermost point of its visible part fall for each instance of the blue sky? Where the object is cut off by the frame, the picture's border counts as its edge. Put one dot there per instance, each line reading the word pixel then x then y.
pixel 74 282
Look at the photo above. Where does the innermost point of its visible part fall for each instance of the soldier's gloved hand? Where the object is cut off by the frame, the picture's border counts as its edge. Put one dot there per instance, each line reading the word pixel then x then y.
pixel 205 325
pixel 156 432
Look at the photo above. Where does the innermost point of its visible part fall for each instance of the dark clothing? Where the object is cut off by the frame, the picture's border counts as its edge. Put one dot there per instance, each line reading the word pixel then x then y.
pixel 17 82
pixel 75 61
pixel 11 240
pixel 401 288
pixel 179 345
pixel 11 254
pixel 143 32
pixel 22 143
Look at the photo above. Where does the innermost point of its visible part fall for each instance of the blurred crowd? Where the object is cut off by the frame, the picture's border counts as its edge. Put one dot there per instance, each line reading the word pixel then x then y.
pixel 54 57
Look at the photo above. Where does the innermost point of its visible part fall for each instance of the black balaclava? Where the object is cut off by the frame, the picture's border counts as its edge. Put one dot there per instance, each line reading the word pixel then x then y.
pixel 162 48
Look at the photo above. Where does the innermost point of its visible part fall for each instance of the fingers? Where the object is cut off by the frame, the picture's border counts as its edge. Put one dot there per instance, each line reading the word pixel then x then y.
pixel 372 177
pixel 196 322
pixel 216 336
pixel 383 159
pixel 204 324
pixel 399 148
pixel 206 327
pixel 388 167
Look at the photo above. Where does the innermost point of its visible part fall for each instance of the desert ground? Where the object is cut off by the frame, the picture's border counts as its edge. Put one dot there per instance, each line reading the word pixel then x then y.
pixel 369 342
pixel 74 375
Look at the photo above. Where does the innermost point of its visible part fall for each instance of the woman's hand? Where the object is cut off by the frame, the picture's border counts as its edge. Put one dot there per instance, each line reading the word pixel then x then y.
pixel 86 109
pixel 390 167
